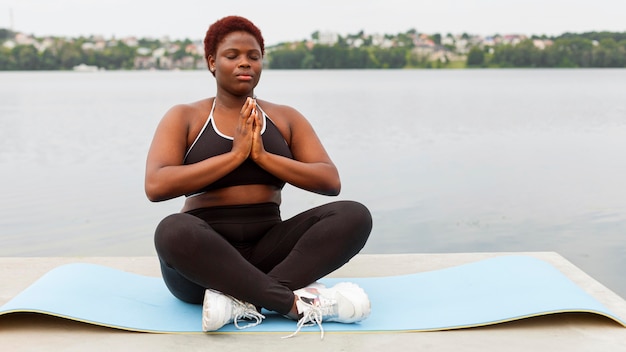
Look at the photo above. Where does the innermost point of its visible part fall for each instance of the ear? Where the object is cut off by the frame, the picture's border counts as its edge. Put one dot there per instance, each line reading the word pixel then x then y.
pixel 211 62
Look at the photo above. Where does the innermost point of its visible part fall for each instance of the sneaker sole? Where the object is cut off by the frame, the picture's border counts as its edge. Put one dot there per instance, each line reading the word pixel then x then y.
pixel 213 312
pixel 355 294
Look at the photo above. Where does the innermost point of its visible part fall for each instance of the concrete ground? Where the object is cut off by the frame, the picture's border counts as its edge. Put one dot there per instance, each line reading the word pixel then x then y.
pixel 559 332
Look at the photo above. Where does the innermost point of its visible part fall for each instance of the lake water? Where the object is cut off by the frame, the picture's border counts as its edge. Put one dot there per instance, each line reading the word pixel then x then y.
pixel 446 160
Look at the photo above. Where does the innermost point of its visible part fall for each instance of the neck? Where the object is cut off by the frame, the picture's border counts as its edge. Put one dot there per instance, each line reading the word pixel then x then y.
pixel 231 101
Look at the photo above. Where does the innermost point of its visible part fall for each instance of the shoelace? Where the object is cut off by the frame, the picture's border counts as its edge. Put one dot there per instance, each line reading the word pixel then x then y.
pixel 311 317
pixel 246 311
pixel 313 314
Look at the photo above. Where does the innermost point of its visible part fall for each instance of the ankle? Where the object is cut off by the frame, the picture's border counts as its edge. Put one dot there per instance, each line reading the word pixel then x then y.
pixel 293 313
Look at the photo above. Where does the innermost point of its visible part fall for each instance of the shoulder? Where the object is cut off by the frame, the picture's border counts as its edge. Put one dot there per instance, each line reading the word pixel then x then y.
pixel 186 117
pixel 283 116
pixel 189 111
pixel 281 111
pixel 287 119
pixel 182 121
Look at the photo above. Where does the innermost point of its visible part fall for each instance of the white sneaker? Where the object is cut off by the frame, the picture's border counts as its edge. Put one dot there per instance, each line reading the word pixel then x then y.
pixel 315 285
pixel 346 302
pixel 219 309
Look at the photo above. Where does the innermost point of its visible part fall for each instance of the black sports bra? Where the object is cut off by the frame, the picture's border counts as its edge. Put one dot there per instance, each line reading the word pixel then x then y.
pixel 211 142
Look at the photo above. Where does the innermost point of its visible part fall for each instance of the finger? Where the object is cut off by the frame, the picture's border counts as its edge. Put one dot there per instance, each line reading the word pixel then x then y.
pixel 255 116
pixel 255 107
pixel 258 120
pixel 247 108
pixel 254 112
pixel 246 119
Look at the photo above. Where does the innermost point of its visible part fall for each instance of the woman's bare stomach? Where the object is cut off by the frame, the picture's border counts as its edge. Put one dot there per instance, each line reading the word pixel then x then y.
pixel 236 195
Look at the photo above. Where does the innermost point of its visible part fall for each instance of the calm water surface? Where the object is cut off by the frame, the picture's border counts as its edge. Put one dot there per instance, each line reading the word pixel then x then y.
pixel 447 160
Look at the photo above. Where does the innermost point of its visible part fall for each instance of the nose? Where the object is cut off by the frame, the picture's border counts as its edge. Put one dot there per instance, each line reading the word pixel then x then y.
pixel 244 63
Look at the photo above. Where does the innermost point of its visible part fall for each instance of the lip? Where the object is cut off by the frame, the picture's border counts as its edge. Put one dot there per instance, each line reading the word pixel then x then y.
pixel 244 76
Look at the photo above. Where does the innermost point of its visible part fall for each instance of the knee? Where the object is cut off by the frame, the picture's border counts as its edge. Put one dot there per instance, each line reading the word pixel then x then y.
pixel 170 231
pixel 169 225
pixel 357 214
pixel 356 224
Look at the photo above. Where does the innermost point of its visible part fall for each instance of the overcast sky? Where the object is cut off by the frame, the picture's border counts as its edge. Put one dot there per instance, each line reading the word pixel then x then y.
pixel 296 20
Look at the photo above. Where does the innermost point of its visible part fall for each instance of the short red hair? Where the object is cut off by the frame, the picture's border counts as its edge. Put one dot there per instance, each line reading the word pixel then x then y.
pixel 220 29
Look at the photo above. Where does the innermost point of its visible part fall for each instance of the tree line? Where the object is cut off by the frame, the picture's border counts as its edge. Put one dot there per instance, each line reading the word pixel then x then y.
pixel 63 55
pixel 593 49
pixel 340 57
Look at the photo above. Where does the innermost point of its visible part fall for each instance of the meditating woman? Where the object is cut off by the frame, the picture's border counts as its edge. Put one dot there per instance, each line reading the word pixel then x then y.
pixel 230 156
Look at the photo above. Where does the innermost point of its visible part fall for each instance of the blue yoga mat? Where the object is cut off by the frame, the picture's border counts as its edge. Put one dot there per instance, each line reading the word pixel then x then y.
pixel 487 292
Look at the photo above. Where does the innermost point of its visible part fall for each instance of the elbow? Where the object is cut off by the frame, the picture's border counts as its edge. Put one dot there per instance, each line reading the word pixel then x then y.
pixel 152 196
pixel 336 185
pixel 154 192
pixel 155 197
pixel 330 183
pixel 327 188
pixel 158 187
pixel 333 189
pixel 333 185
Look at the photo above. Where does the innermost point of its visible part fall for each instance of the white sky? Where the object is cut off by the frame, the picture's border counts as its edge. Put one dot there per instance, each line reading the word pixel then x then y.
pixel 296 20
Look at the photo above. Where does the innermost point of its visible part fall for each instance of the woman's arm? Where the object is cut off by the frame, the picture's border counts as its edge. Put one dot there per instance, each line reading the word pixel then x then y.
pixel 311 169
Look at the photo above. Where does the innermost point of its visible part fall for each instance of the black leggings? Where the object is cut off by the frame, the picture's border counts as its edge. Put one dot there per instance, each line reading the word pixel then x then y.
pixel 248 252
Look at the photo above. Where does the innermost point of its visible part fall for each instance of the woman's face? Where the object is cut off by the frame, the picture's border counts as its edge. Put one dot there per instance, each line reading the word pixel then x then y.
pixel 238 63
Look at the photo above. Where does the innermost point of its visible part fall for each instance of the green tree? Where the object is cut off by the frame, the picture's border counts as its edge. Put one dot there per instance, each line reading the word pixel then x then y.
pixel 286 58
pixel 581 51
pixel 360 58
pixel 608 54
pixel 7 61
pixel 405 40
pixel 48 60
pixel 476 57
pixel 527 55
pixel 120 56
pixel 391 58
pixel 436 38
pixel 324 56
pixel 69 55
pixel 524 54
pixel 26 57
pixel 6 34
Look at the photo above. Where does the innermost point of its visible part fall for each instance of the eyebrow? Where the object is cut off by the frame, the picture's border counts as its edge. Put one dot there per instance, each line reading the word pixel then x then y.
pixel 237 49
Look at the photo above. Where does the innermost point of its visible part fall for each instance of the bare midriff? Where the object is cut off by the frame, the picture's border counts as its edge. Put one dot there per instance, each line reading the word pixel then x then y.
pixel 235 195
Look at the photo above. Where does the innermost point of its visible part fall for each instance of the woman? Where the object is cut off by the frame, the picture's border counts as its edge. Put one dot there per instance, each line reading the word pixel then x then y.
pixel 231 155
